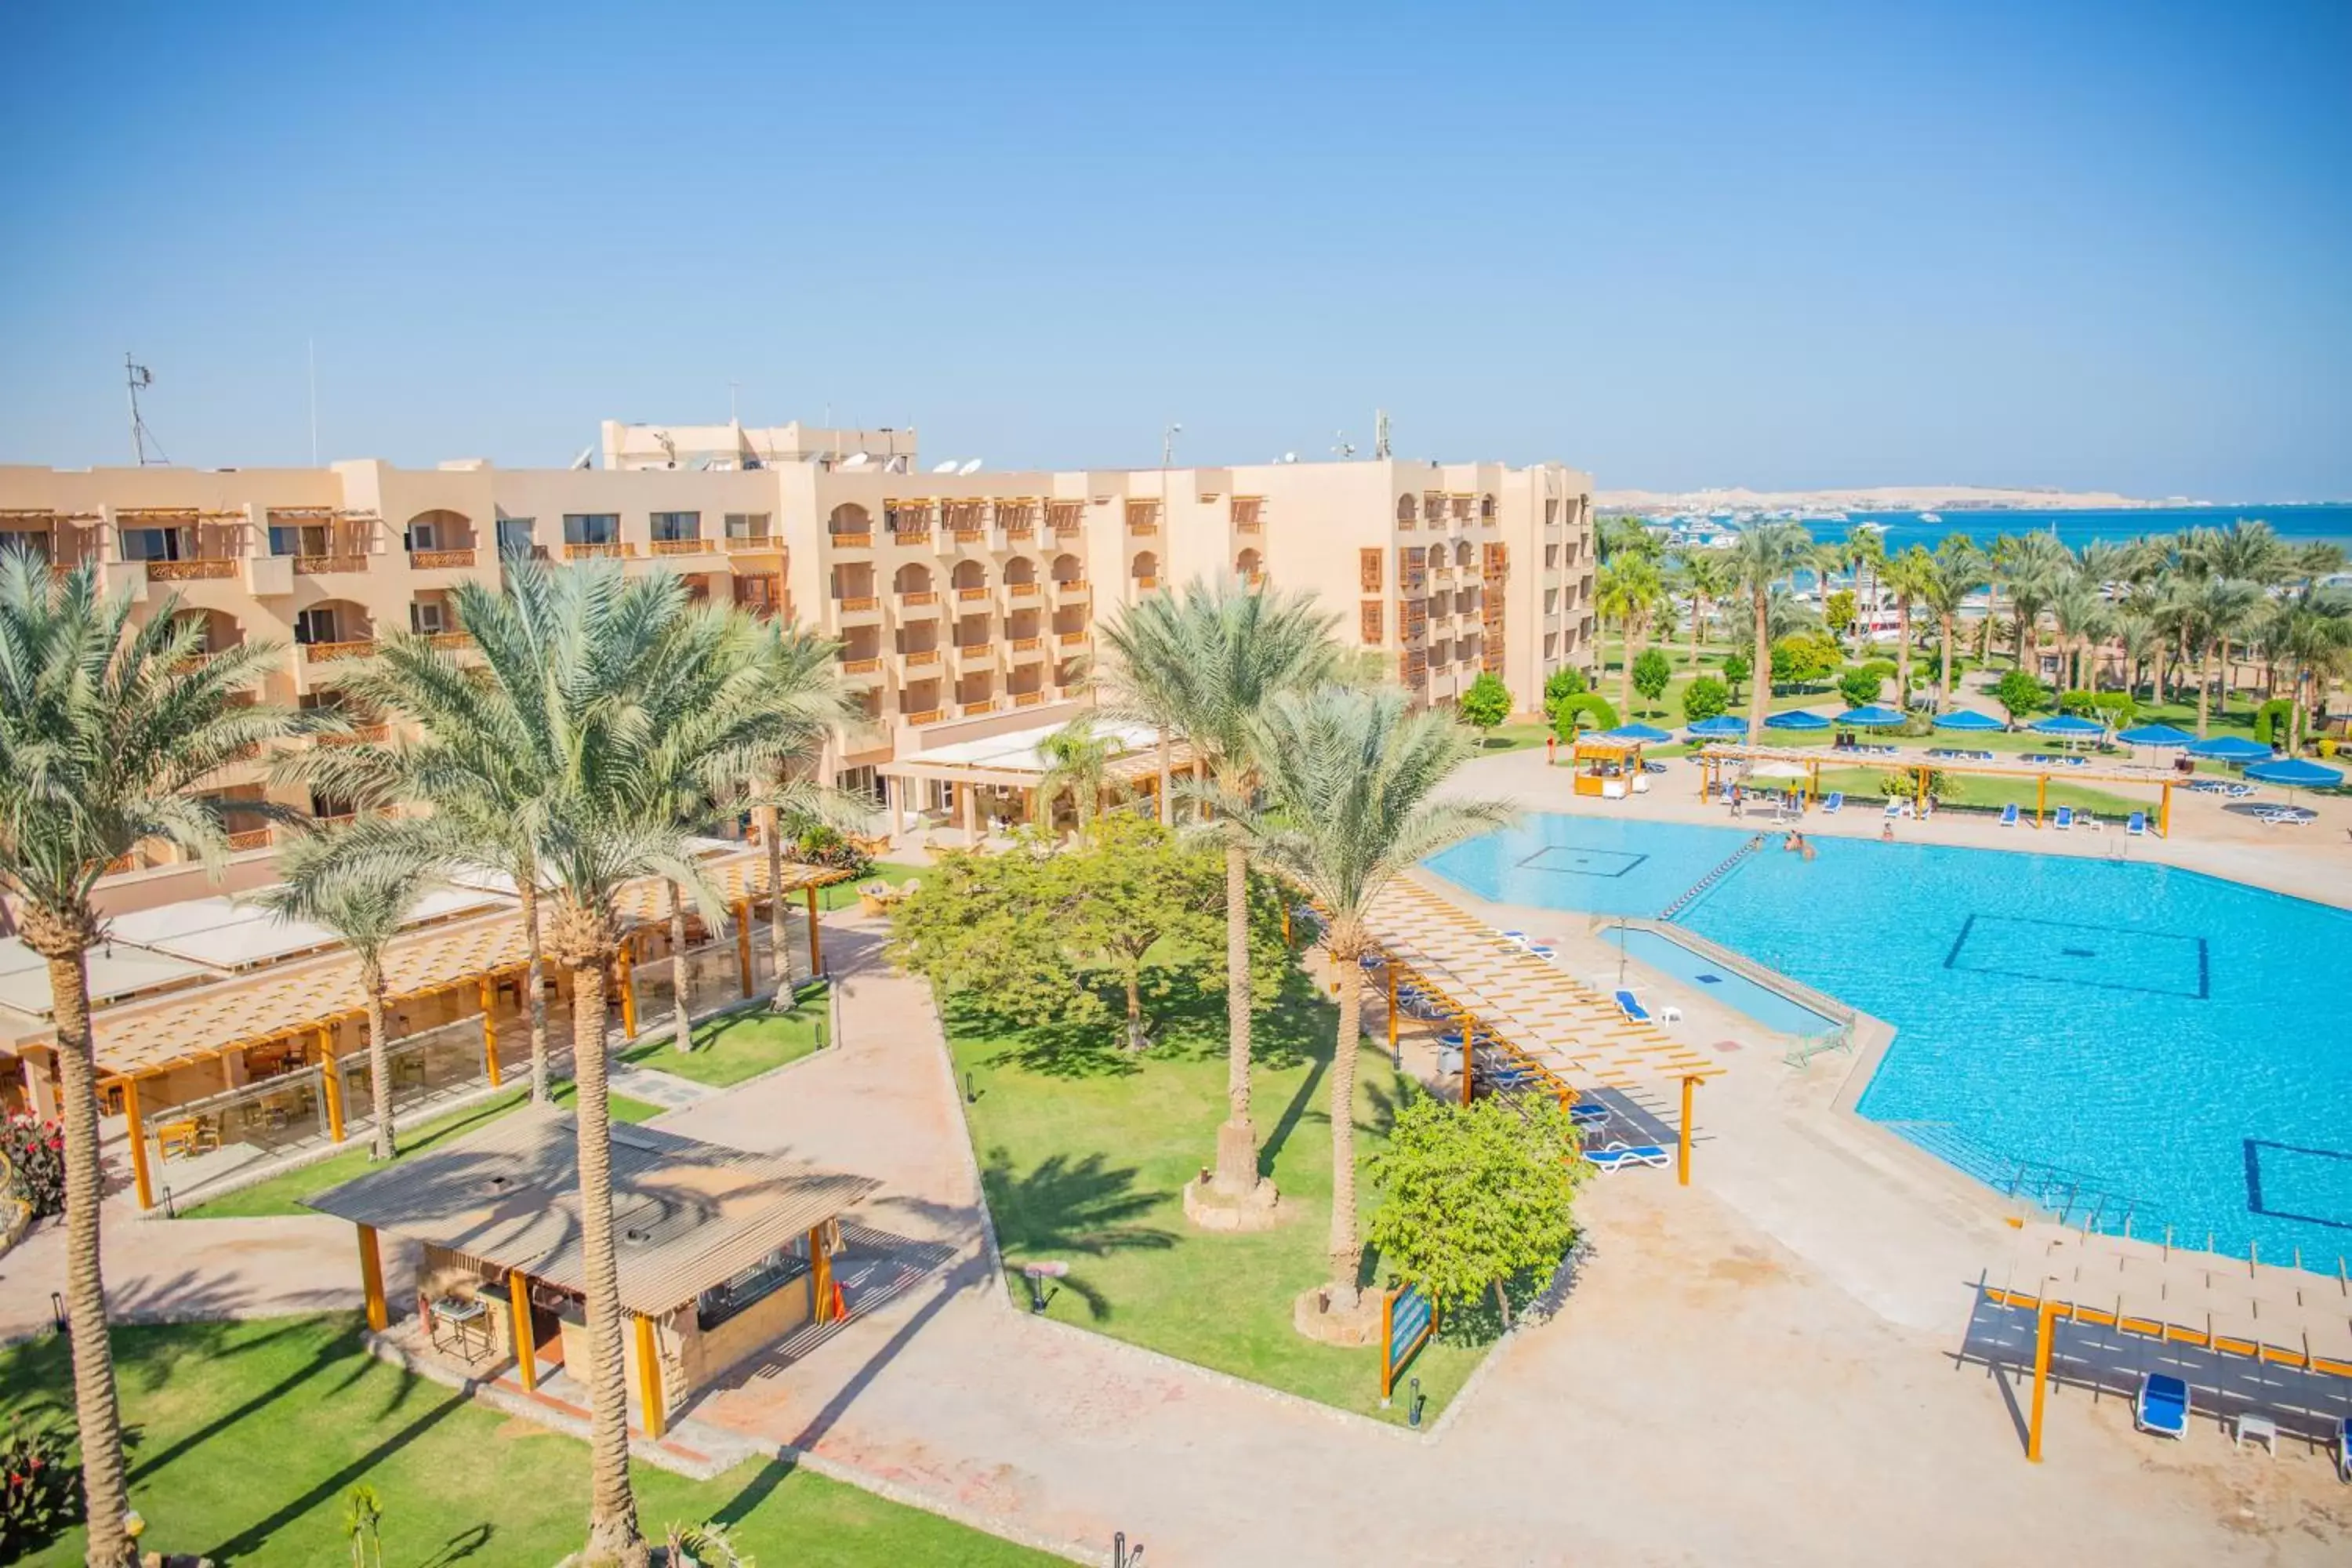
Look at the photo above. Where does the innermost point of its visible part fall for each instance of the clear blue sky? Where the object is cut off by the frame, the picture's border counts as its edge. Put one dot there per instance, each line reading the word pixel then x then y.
pixel 2073 245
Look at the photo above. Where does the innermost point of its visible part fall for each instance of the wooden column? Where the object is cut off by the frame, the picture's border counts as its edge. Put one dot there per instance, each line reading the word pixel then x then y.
pixel 331 1082
pixel 372 1279
pixel 625 964
pixel 649 1380
pixel 1919 804
pixel 743 943
pixel 1389 965
pixel 489 995
pixel 525 1348
pixel 2164 812
pixel 1682 1141
pixel 1467 1077
pixel 142 1179
pixel 817 947
pixel 820 1277
pixel 2041 795
pixel 2046 1329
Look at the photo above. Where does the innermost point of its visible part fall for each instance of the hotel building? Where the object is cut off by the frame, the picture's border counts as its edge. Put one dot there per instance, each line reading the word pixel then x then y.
pixel 964 602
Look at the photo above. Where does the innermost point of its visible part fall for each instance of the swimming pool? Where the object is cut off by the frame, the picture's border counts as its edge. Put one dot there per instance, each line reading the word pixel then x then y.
pixel 2111 1037
pixel 1728 986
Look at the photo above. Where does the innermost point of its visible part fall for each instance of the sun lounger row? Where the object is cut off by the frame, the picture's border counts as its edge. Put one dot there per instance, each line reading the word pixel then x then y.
pixel 2057 760
pixel 2285 815
pixel 1955 754
pixel 2220 786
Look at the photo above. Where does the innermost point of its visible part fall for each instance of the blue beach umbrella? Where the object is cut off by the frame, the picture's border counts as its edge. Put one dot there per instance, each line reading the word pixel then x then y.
pixel 1968 719
pixel 2296 773
pixel 1871 716
pixel 1723 726
pixel 2068 726
pixel 2231 749
pixel 1642 732
pixel 2157 735
pixel 1796 719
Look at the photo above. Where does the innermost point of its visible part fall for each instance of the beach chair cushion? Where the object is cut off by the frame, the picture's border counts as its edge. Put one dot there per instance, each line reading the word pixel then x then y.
pixel 2137 826
pixel 2065 818
pixel 1620 1156
pixel 1834 802
pixel 2009 815
pixel 1630 1006
pixel 2162 1406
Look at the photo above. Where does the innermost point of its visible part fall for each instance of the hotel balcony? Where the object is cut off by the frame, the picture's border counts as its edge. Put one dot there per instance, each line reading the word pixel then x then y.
pixel 1074 591
pixel 441 559
pixel 920 663
pixel 1028 650
pixel 860 608
pixel 860 673
pixel 332 652
pixel 675 547
pixel 203 569
pixel 755 545
pixel 922 603
pixel 617 551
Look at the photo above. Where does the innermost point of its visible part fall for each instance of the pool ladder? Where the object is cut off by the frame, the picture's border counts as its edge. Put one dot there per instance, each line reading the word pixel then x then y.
pixel 1691 894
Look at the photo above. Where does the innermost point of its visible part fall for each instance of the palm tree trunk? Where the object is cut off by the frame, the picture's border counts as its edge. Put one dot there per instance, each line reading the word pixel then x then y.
pixel 681 1013
pixel 1698 615
pixel 1345 1256
pixel 780 946
pixel 1760 670
pixel 1167 784
pixel 1625 670
pixel 385 1144
pixel 534 984
pixel 2204 688
pixel 1237 1139
pixel 106 1495
pixel 1944 684
pixel 1902 651
pixel 613 1534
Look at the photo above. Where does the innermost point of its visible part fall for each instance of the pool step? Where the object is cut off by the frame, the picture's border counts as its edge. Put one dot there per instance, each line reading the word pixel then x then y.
pixel 1692 893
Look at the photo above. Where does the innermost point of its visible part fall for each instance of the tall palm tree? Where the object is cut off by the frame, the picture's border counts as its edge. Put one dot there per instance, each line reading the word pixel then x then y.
pixel 2141 641
pixel 1706 578
pixel 2029 568
pixel 1628 593
pixel 104 728
pixel 1862 552
pixel 2217 609
pixel 1961 569
pixel 2315 641
pixel 365 900
pixel 1140 667
pixel 642 717
pixel 1238 646
pixel 1912 576
pixel 1077 759
pixel 2076 612
pixel 1351 802
pixel 1766 552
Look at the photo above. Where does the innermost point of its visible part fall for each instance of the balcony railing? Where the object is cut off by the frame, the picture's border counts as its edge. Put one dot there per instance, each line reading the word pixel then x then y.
pixel 974 709
pixel 618 552
pixel 318 565
pixel 1071 588
pixel 852 540
pixel 916 598
pixel 754 544
pixel 1028 699
pixel 680 547
pixel 861 666
pixel 926 716
pixel 971 595
pixel 359 736
pixel 252 839
pixel 1144 584
pixel 1027 645
pixel 912 538
pixel 970 535
pixel 440 560
pixel 917 657
pixel 189 571
pixel 859 604
pixel 449 640
pixel 1022 590
pixel 1070 639
pixel 329 652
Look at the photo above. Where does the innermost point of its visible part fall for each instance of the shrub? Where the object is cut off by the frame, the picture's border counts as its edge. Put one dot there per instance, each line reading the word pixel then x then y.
pixel 1566 682
pixel 1858 687
pixel 2020 694
pixel 1705 698
pixel 1842 609
pixel 36 1162
pixel 1487 702
pixel 822 845
pixel 1652 673
pixel 1905 786
pixel 1877 669
pixel 2271 720
pixel 1803 659
pixel 1589 705
pixel 1736 669
pixel 2115 708
pixel 40 1489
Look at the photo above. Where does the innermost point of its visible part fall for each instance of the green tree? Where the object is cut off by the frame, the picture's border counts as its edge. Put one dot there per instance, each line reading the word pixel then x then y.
pixel 2020 694
pixel 1486 704
pixel 1859 687
pixel 1767 552
pixel 1077 758
pixel 1735 668
pixel 1653 673
pixel 1840 611
pixel 1209 659
pixel 105 730
pixel 1705 577
pixel 1911 575
pixel 1566 682
pixel 1628 590
pixel 331 880
pixel 1618 537
pixel 1590 706
pixel 1803 659
pixel 1705 697
pixel 1476 1196
pixel 1351 803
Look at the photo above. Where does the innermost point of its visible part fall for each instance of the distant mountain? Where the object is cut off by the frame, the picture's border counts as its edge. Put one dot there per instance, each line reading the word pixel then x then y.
pixel 1877 497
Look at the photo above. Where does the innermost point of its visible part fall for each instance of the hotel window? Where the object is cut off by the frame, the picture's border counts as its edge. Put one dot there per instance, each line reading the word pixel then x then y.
pixel 298 538
pixel 428 617
pixel 669 527
pixel 591 528
pixel 514 534
pixel 747 525
pixel 316 624
pixel 864 783
pixel 423 536
pixel 152 544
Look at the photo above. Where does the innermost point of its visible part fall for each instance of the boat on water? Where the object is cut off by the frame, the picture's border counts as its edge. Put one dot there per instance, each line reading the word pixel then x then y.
pixel 1930 516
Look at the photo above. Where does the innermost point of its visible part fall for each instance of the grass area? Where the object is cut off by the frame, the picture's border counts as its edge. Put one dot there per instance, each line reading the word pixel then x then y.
pixel 1862 787
pixel 742 1045
pixel 1085 1151
pixel 843 895
pixel 283 1194
pixel 247 1437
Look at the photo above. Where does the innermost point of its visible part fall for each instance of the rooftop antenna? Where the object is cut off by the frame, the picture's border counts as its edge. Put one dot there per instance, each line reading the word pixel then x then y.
pixel 1167 445
pixel 136 376
pixel 314 401
pixel 734 390
pixel 1379 432
pixel 1345 449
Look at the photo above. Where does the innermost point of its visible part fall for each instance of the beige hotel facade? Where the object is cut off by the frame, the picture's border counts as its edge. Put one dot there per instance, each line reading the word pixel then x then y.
pixel 964 602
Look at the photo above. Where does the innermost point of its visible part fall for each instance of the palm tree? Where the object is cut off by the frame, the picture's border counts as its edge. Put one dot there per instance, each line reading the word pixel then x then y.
pixel 1961 569
pixel 2138 633
pixel 1142 666
pixel 2029 567
pixel 1766 552
pixel 1078 760
pixel 2315 640
pixel 1628 591
pixel 104 728
pixel 1352 781
pixel 2077 612
pixel 1912 576
pixel 1238 647
pixel 2217 610
pixel 365 900
pixel 1861 551
pixel 640 717
pixel 1706 579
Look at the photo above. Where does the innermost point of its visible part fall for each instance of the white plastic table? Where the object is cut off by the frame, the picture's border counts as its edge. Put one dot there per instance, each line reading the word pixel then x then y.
pixel 2260 1429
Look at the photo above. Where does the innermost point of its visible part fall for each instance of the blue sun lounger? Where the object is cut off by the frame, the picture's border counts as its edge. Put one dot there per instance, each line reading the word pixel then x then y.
pixel 1833 802
pixel 2161 1405
pixel 1630 1006
pixel 1622 1156
pixel 2137 826
pixel 1589 1113
pixel 2009 815
pixel 2064 819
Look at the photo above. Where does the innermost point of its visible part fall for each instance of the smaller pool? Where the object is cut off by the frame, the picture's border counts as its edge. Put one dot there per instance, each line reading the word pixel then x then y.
pixel 1735 991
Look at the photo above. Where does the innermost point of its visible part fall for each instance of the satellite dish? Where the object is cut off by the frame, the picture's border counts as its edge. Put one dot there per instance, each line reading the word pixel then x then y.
pixel 947 467
pixel 971 468
pixel 898 465
pixel 1290 457
pixel 856 462
pixel 582 460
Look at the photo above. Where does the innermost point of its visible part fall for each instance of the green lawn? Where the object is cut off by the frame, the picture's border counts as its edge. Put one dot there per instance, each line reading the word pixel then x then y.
pixel 1085 1151
pixel 740 1046
pixel 247 1436
pixel 283 1194
pixel 842 895
pixel 1861 785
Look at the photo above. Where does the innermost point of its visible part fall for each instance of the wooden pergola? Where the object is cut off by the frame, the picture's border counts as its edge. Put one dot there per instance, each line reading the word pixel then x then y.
pixel 1714 758
pixel 1602 761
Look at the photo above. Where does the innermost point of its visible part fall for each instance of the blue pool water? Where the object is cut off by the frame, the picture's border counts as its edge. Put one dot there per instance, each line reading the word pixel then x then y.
pixel 2133 1037
pixel 1734 990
